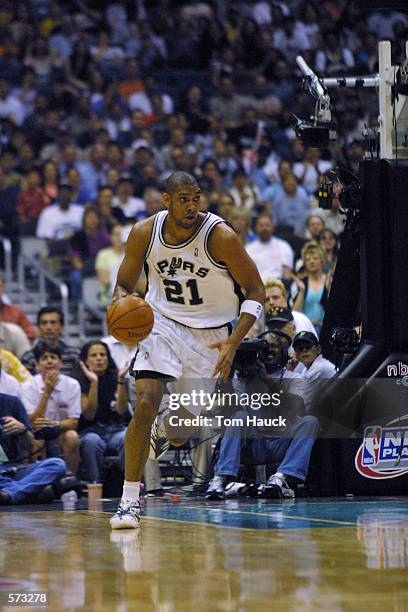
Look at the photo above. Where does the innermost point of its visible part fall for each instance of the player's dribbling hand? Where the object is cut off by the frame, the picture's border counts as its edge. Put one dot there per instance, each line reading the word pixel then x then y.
pixel 117 296
pixel 123 371
pixel 227 350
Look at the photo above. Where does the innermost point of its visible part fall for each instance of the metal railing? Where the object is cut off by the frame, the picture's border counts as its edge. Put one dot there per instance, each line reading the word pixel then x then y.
pixel 83 307
pixel 43 277
pixel 8 272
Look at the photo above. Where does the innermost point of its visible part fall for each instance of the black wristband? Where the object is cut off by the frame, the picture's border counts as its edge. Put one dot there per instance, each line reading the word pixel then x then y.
pixel 120 382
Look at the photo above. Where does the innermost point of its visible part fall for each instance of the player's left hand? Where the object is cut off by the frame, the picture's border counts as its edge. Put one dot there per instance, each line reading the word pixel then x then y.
pixel 123 371
pixel 227 350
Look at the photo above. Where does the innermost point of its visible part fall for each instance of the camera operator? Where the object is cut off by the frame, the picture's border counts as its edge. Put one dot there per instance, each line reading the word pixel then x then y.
pixel 291 448
pixel 21 482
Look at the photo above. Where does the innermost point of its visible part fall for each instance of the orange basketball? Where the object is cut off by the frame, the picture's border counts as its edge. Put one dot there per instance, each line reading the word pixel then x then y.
pixel 130 319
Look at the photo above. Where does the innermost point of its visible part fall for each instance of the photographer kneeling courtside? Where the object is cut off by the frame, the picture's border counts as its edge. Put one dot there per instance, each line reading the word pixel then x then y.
pixel 243 442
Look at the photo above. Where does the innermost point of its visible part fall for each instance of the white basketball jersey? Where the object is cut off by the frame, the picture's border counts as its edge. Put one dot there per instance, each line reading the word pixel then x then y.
pixel 184 282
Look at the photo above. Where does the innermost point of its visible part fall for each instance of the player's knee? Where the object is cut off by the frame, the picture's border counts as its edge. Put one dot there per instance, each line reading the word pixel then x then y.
pixel 146 406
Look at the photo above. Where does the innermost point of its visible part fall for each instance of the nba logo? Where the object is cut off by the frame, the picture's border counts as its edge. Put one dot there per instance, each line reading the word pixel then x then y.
pixel 371 445
pixel 195 252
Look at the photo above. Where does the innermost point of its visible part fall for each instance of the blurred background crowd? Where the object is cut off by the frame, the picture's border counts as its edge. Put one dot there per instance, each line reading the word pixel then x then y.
pixel 100 101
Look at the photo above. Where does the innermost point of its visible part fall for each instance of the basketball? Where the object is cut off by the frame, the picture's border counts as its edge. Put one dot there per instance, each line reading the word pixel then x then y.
pixel 130 319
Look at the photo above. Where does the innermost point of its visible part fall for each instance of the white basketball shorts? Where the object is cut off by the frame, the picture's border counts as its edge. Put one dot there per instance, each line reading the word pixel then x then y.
pixel 180 353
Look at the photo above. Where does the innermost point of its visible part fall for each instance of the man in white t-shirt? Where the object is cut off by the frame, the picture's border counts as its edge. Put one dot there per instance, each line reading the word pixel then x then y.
pixel 270 254
pixel 53 399
pixel 59 221
pixel 107 263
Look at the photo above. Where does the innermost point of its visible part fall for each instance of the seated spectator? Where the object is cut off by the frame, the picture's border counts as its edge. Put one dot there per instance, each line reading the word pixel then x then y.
pixel 132 82
pixel 26 481
pixel 31 202
pixel 225 204
pixel 79 194
pixel 226 104
pixel 314 370
pixel 194 107
pixel 13 339
pixel 110 215
pixel 244 193
pixel 50 321
pixel 292 206
pixel 8 384
pixel 9 313
pixel 280 319
pixel 291 446
pixel 10 105
pixel 93 172
pixel 132 208
pixel 328 242
pixel 84 246
pixel 107 264
pixel 314 226
pixel 112 178
pixel 54 400
pixel 308 354
pixel 104 403
pixel 276 296
pixel 270 254
pixel 9 192
pixel 59 222
pixel 333 219
pixel 153 201
pixel 50 180
pixel 240 220
pixel 310 169
pixel 314 287
pixel 333 58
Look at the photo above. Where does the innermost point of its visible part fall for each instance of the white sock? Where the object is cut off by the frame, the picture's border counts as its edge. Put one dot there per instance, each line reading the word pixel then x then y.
pixel 131 491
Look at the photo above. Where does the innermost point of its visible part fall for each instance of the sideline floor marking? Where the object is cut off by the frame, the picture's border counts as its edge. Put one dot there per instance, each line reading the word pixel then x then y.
pixel 255 514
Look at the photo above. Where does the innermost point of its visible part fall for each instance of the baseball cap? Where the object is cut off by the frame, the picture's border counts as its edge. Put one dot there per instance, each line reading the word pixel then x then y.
pixel 140 143
pixel 278 314
pixel 64 184
pixel 125 176
pixel 305 337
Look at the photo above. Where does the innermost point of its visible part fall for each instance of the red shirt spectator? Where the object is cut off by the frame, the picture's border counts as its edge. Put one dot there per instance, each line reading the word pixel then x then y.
pixel 32 199
pixel 13 314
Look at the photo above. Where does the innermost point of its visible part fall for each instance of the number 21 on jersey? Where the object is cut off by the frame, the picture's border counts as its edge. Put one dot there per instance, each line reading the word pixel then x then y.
pixel 175 293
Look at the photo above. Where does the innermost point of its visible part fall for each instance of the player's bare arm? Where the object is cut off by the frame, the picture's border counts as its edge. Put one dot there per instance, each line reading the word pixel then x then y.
pixel 225 246
pixel 132 264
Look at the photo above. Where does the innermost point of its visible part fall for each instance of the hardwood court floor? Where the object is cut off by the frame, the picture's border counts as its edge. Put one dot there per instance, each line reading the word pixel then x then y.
pixel 334 555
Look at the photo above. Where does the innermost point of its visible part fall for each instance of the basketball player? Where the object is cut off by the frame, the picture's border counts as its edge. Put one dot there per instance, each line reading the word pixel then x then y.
pixel 195 265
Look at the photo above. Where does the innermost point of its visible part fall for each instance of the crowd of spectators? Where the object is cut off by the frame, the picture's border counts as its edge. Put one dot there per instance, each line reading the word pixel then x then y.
pixel 100 101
